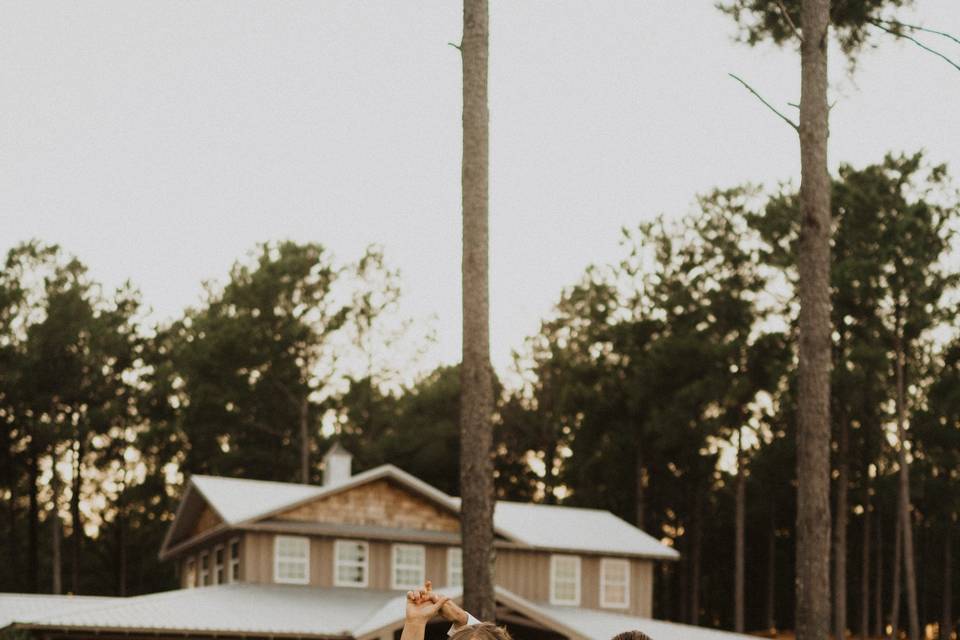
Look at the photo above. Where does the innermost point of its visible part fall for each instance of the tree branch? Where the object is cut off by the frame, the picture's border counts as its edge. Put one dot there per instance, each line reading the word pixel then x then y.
pixel 790 122
pixel 786 14
pixel 456 46
pixel 916 42
pixel 915 27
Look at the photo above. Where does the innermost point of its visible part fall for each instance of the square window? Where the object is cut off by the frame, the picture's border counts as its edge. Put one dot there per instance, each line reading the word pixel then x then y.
pixel 190 573
pixel 291 560
pixel 218 574
pixel 455 567
pixel 234 573
pixel 565 580
pixel 204 568
pixel 614 583
pixel 350 562
pixel 408 566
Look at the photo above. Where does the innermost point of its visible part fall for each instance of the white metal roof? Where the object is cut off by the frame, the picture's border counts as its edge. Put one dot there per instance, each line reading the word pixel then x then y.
pixel 25 607
pixel 535 525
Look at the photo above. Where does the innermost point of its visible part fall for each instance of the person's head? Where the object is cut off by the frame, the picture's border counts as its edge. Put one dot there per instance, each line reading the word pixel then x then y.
pixel 482 631
pixel 631 635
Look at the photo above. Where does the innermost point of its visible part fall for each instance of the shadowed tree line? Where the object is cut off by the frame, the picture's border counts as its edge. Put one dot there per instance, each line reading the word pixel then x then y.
pixel 663 387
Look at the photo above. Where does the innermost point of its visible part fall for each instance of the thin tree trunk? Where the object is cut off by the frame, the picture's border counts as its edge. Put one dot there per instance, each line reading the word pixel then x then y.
pixel 13 536
pixel 77 532
pixel 813 437
pixel 895 590
pixel 740 545
pixel 909 570
pixel 33 563
pixel 684 569
pixel 56 524
pixel 771 613
pixel 946 619
pixel 304 441
pixel 878 580
pixel 841 520
pixel 865 564
pixel 695 569
pixel 641 488
pixel 476 383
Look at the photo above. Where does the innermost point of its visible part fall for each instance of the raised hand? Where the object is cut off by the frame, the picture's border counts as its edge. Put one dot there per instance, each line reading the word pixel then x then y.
pixel 424 604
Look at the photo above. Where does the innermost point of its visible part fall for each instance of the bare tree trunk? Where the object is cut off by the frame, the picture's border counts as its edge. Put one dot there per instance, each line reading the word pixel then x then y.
pixel 56 555
pixel 865 564
pixel 909 570
pixel 684 569
pixel 841 520
pixel 305 441
pixel 740 544
pixel 878 580
pixel 897 560
pixel 476 383
pixel 77 532
pixel 771 614
pixel 946 619
pixel 33 563
pixel 695 568
pixel 813 437
pixel 641 488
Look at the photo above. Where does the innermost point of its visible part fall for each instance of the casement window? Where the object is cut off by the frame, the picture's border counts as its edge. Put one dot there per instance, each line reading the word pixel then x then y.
pixel 233 573
pixel 409 569
pixel 190 573
pixel 204 568
pixel 291 559
pixel 454 567
pixel 565 579
pixel 350 563
pixel 614 583
pixel 219 576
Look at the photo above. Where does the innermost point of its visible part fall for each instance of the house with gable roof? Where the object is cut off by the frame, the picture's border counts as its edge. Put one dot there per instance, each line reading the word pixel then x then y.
pixel 259 559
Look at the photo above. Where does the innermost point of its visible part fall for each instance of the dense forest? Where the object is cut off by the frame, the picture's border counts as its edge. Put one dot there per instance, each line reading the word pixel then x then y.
pixel 662 387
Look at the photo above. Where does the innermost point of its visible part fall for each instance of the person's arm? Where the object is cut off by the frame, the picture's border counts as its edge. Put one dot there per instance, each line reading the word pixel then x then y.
pixel 455 614
pixel 421 607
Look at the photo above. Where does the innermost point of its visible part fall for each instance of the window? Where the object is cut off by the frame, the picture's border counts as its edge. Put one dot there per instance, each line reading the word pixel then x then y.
pixel 234 573
pixel 408 566
pixel 218 574
pixel 350 563
pixel 190 573
pixel 614 583
pixel 454 567
pixel 204 568
pixel 565 580
pixel 291 559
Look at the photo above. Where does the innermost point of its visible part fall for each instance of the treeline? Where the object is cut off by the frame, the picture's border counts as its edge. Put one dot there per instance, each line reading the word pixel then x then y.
pixel 662 388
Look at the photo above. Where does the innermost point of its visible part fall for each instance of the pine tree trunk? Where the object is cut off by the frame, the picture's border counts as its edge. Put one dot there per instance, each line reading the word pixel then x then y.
pixel 895 590
pixel 695 553
pixel 304 441
pixel 878 580
pixel 740 545
pixel 771 613
pixel 56 560
pixel 641 488
pixel 77 532
pixel 840 534
pixel 865 564
pixel 813 437
pixel 946 619
pixel 33 562
pixel 476 384
pixel 909 570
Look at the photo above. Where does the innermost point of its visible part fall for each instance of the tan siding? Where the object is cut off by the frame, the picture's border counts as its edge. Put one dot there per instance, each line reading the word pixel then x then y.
pixel 379 565
pixel 641 588
pixel 205 521
pixel 526 573
pixel 590 582
pixel 436 565
pixel 379 503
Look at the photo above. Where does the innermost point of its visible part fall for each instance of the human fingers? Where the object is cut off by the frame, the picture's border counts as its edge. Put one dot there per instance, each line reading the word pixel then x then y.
pixel 428 586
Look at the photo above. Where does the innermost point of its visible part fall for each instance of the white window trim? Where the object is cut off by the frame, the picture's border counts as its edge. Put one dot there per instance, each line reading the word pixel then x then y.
pixel 366 564
pixel 393 566
pixel 276 561
pixel 553 596
pixel 203 573
pixel 222 566
pixel 451 552
pixel 607 562
pixel 231 561
pixel 190 569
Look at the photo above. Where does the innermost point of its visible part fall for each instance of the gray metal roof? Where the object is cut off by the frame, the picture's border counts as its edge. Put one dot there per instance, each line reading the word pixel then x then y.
pixel 24 607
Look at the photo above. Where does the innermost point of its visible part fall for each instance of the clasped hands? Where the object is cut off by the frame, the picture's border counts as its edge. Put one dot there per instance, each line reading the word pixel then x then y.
pixel 423 604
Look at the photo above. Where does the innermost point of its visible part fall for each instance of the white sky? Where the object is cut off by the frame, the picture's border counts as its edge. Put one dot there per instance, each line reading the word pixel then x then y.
pixel 159 141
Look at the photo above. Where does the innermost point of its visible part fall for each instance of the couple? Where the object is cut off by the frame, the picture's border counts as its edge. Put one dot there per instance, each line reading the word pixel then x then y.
pixel 424 604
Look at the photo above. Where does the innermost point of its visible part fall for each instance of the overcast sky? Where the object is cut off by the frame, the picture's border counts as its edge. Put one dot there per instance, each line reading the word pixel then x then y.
pixel 159 141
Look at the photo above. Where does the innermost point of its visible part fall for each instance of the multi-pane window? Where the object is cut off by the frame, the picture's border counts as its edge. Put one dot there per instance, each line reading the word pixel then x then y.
pixel 190 573
pixel 454 567
pixel 218 573
pixel 204 568
pixel 291 559
pixel 565 580
pixel 614 583
pixel 350 561
pixel 408 566
pixel 233 574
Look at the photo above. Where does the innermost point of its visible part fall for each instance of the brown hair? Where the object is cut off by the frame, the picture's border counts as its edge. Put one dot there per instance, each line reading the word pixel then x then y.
pixel 482 631
pixel 631 635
